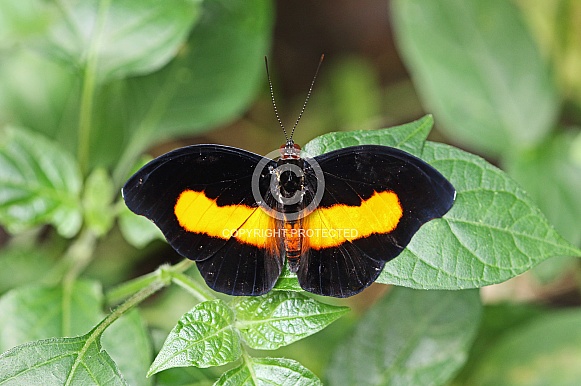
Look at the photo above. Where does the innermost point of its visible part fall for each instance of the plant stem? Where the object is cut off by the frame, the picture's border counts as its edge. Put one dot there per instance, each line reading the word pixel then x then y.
pixel 88 90
pixel 192 287
pixel 166 274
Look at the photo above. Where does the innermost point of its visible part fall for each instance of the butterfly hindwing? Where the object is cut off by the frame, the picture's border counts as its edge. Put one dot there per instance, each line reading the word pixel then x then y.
pixel 375 199
pixel 200 198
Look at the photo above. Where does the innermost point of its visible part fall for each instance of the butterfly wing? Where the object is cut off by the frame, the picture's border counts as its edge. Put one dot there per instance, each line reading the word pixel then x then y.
pixel 201 198
pixel 375 199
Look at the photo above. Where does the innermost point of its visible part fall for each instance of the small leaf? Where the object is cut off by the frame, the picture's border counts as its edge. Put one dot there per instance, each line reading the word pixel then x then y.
pixel 280 318
pixel 59 361
pixel 287 281
pixel 125 37
pixel 478 70
pixel 40 184
pixel 137 230
pixel 410 337
pixel 39 312
pixel 128 342
pixel 203 337
pixel 97 202
pixel 492 233
pixel 269 371
pixel 409 137
pixel 545 351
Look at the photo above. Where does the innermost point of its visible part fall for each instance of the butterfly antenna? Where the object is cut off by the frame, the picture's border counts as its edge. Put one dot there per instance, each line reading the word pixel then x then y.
pixel 308 96
pixel 273 102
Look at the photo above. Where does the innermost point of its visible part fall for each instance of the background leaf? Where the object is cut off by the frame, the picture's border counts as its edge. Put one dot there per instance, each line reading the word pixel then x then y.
pixel 137 230
pixel 203 337
pixel 40 184
pixel 478 70
pixel 22 265
pixel 545 351
pixel 280 318
pixel 269 371
pixel 129 344
pixel 97 195
pixel 492 233
pixel 124 37
pixel 216 76
pixel 39 312
pixel 62 361
pixel 409 137
pixel 410 337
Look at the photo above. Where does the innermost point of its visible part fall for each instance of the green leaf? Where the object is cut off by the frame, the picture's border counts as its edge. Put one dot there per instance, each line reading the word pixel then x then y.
pixel 61 361
pixel 137 230
pixel 203 337
pixel 280 318
pixel 40 312
pixel 125 37
pixel 40 184
pixel 22 265
pixel 546 351
pixel 129 344
pixel 287 281
pixel 493 232
pixel 17 23
pixel 217 75
pixel 269 371
pixel 498 321
pixel 409 137
pixel 552 178
pixel 99 214
pixel 410 337
pixel 478 70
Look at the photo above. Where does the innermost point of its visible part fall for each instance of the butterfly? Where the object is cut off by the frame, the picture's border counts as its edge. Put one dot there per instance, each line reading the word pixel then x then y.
pixel 335 219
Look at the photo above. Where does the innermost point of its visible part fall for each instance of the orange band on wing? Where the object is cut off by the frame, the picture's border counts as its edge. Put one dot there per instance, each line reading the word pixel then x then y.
pixel 199 214
pixel 332 226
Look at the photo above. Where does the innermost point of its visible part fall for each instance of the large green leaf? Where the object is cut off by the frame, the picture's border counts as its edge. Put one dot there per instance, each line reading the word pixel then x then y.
pixel 217 74
pixel 269 371
pixel 23 264
pixel 280 318
pixel 546 351
pixel 39 312
pixel 122 37
pixel 478 70
pixel 493 232
pixel 552 178
pixel 409 137
pixel 59 361
pixel 410 337
pixel 40 184
pixel 128 342
pixel 211 81
pixel 203 337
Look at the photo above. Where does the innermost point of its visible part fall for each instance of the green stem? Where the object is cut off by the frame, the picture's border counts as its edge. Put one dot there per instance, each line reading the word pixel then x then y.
pixel 96 333
pixel 166 274
pixel 192 287
pixel 88 90
pixel 128 304
pixel 77 257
